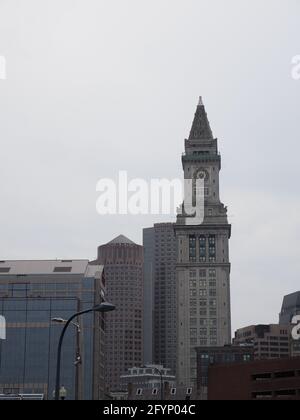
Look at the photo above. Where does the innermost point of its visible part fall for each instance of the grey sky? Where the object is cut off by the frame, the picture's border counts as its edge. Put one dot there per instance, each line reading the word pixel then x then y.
pixel 98 86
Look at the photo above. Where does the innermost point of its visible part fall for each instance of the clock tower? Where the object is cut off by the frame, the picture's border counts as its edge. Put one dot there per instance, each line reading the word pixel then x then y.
pixel 203 267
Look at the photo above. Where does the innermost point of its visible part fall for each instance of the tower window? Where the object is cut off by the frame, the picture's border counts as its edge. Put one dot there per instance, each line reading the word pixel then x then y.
pixel 212 240
pixel 202 248
pixel 203 251
pixel 202 240
pixel 212 248
pixel 193 284
pixel 192 248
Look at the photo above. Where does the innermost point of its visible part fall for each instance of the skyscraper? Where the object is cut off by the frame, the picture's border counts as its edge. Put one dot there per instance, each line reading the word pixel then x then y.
pixel 123 262
pixel 290 308
pixel 148 319
pixel 203 268
pixel 160 272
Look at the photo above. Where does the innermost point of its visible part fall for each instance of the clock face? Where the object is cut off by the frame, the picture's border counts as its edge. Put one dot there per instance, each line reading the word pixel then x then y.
pixel 202 174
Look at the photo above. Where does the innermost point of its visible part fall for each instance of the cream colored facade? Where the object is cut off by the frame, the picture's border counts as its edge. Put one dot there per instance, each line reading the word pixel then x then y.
pixel 203 267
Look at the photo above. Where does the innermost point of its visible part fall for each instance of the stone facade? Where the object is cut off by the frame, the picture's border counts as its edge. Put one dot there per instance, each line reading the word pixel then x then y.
pixel 203 267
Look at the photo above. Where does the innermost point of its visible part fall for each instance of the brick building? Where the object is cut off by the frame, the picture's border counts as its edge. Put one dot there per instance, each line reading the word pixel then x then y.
pixel 277 379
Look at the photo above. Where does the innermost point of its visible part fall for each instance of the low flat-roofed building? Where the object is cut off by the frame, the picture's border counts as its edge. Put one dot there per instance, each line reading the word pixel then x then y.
pixel 155 382
pixel 269 341
pixel 148 377
pixel 277 379
pixel 210 356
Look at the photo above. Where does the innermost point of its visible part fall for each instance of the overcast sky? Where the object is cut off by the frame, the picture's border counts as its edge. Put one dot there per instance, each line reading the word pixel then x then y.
pixel 98 86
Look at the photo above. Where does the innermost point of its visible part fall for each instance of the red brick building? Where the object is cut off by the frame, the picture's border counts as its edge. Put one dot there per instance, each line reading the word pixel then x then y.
pixel 277 379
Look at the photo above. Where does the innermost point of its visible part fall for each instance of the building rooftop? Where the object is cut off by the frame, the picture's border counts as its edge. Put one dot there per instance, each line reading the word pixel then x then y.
pixel 201 128
pixel 46 267
pixel 121 239
pixel 291 301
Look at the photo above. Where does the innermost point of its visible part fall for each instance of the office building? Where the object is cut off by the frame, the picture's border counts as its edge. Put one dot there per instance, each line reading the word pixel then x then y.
pixel 32 294
pixel 269 341
pixel 123 262
pixel 290 308
pixel 148 318
pixel 160 271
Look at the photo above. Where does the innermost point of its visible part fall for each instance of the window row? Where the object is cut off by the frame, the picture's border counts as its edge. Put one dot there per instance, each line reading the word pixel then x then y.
pixel 203 303
pixel 203 322
pixel 194 332
pixel 203 284
pixel 206 249
pixel 203 293
pixel 203 273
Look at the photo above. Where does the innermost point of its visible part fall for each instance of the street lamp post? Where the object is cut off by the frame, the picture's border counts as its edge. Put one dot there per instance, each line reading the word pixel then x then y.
pixel 161 383
pixel 103 307
pixel 78 361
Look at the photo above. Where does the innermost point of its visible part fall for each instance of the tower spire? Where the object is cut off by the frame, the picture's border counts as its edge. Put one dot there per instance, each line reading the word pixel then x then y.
pixel 201 128
pixel 200 101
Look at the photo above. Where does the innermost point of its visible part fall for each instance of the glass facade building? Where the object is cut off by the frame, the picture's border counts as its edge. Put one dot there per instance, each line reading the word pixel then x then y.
pixel 29 302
